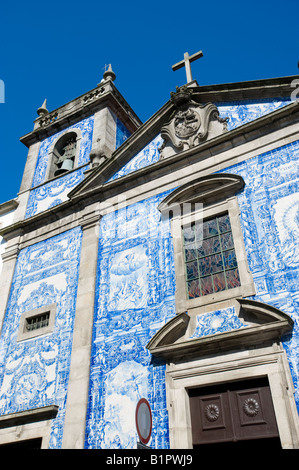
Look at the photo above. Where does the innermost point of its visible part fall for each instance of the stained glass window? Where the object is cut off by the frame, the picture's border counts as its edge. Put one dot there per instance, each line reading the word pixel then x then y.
pixel 210 258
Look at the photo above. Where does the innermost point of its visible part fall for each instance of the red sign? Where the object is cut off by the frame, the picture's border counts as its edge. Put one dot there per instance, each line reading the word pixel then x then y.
pixel 143 418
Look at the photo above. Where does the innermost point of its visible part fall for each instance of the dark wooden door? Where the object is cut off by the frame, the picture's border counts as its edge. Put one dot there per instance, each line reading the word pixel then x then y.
pixel 232 412
pixel 23 445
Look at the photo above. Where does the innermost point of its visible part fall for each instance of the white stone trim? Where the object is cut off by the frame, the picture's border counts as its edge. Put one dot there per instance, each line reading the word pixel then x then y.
pixel 246 289
pixel 270 362
pixel 23 334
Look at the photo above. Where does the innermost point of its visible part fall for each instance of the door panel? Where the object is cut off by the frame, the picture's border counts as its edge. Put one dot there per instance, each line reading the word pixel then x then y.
pixel 239 411
pixel 212 418
pixel 253 414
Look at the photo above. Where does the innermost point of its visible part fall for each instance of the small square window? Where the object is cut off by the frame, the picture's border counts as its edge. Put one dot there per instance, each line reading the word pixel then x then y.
pixel 37 322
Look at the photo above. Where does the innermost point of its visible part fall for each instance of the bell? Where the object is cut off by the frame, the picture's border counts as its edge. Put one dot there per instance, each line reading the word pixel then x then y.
pixel 67 165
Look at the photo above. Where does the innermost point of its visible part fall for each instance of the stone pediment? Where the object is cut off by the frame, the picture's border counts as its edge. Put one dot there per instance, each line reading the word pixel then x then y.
pixel 204 190
pixel 187 122
pixel 256 323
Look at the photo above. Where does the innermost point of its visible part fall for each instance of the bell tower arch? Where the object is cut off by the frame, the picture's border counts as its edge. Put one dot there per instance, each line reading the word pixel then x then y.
pixel 64 153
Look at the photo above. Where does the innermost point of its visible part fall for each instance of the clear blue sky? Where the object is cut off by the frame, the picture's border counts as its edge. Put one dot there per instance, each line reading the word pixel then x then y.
pixel 57 50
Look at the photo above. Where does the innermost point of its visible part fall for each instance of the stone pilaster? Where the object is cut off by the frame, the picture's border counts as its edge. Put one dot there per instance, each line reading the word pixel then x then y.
pixel 9 258
pixel 76 407
pixel 26 182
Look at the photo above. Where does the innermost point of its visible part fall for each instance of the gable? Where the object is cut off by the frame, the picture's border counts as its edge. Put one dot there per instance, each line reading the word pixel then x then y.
pixel 146 156
pixel 242 112
pixel 237 114
pixel 142 149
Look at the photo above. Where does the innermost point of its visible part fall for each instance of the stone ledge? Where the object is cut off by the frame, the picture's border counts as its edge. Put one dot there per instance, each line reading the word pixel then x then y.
pixel 90 102
pixel 28 416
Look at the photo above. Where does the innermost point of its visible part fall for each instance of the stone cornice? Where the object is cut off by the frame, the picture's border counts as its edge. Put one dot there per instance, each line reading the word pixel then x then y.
pixel 90 221
pixel 29 416
pixel 252 90
pixel 8 206
pixel 105 94
pixel 249 336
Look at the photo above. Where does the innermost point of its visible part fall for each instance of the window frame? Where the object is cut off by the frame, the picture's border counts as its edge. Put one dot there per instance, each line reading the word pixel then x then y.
pixel 24 334
pixel 211 196
pixel 52 155
pixel 246 288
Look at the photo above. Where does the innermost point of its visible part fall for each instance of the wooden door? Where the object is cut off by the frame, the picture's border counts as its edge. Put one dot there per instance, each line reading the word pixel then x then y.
pixel 232 412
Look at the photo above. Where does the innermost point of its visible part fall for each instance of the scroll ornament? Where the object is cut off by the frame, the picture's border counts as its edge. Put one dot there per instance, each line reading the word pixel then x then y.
pixel 189 123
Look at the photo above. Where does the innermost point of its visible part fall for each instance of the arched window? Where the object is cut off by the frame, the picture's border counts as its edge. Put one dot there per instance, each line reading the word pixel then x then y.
pixel 64 155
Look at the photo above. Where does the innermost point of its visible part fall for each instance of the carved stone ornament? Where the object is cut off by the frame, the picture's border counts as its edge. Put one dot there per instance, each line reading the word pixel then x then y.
pixel 99 154
pixel 190 123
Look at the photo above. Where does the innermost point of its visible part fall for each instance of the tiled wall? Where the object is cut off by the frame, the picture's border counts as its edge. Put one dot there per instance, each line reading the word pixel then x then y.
pixel 34 373
pixel 242 112
pixel 135 290
pixel 55 192
pixel 218 321
pixel 134 298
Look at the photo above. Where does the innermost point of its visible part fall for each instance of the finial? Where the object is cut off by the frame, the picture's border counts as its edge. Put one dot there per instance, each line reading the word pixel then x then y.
pixel 109 74
pixel 43 109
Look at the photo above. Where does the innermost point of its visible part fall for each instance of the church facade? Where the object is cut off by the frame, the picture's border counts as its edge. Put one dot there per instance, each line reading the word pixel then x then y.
pixel 154 260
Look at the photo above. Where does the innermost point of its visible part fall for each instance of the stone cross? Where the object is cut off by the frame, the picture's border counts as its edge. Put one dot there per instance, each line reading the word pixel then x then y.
pixel 186 63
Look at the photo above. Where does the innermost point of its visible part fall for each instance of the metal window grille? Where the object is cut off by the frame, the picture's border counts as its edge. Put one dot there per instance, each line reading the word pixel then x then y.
pixel 37 322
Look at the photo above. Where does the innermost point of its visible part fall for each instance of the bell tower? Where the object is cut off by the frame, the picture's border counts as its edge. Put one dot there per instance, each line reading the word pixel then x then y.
pixel 69 142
